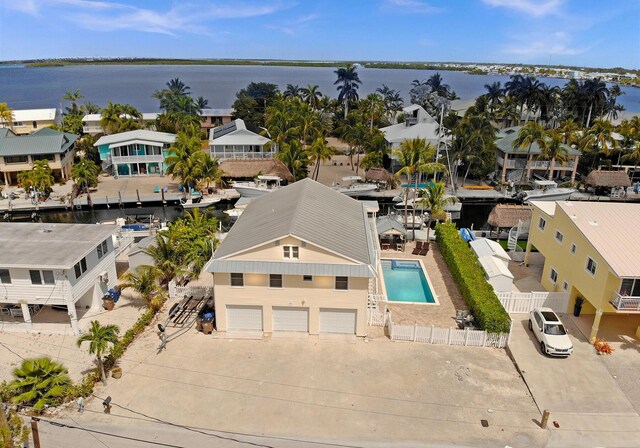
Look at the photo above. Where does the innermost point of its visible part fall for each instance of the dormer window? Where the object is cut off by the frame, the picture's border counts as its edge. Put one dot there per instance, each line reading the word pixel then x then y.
pixel 291 252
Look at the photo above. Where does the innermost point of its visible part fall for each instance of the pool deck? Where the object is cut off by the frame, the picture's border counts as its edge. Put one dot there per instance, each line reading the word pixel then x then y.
pixel 448 296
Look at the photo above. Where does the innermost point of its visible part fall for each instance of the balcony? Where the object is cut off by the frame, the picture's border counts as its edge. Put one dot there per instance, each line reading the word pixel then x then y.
pixel 118 160
pixel 625 303
pixel 92 129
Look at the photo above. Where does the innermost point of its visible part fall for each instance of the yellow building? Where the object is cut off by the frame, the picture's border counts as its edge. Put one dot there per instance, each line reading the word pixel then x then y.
pixel 28 121
pixel 591 250
pixel 298 259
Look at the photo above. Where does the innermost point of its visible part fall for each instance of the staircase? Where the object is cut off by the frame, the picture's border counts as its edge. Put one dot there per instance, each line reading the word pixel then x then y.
pixel 515 175
pixel 512 241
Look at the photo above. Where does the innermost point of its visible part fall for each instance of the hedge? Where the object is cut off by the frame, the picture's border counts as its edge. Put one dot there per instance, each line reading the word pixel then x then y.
pixel 482 301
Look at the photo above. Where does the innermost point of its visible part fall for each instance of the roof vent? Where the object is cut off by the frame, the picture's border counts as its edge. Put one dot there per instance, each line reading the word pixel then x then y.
pixel 47 229
pixel 568 203
pixel 593 223
pixel 574 217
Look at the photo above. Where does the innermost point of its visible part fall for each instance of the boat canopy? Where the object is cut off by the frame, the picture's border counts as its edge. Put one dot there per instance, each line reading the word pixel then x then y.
pixel 351 178
pixel 544 184
pixel 266 177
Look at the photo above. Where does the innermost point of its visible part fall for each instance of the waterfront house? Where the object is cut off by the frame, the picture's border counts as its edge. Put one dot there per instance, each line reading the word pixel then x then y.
pixel 53 270
pixel 135 153
pixel 18 152
pixel 591 250
pixel 298 259
pixel 249 169
pixel 28 121
pixel 511 162
pixel 91 122
pixel 211 118
pixel 234 141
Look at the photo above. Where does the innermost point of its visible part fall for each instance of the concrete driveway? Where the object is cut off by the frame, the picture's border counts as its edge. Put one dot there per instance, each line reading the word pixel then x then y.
pixel 579 391
pixel 379 393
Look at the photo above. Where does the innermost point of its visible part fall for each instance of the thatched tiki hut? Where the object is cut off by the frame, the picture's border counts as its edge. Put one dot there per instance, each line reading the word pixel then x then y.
pixel 247 169
pixel 601 180
pixel 506 216
pixel 378 176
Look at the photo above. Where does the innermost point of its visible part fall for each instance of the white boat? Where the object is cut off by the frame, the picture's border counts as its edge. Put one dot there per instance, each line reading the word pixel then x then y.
pixel 198 202
pixel 355 188
pixel 545 190
pixel 413 222
pixel 234 213
pixel 261 186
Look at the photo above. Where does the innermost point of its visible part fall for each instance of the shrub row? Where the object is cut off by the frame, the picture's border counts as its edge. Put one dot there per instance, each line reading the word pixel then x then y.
pixel 482 301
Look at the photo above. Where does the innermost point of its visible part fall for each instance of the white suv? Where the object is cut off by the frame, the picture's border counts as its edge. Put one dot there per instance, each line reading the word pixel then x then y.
pixel 548 329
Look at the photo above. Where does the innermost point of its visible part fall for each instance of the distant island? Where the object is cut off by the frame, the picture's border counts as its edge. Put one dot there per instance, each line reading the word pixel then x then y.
pixel 620 75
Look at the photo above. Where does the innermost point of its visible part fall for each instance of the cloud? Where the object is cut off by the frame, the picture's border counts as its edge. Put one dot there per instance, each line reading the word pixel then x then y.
pixel 539 46
pixel 99 15
pixel 535 8
pixel 410 6
pixel 294 26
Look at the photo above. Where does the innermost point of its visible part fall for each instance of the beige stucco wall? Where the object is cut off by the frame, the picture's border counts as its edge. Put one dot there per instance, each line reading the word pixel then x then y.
pixel 598 289
pixel 28 126
pixel 319 293
pixel 55 164
pixel 308 254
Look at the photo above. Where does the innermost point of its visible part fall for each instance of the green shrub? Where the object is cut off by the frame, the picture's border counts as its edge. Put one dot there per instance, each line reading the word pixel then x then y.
pixel 482 301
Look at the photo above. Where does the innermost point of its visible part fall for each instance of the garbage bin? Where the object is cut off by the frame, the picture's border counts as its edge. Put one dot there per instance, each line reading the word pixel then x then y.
pixel 207 323
pixel 199 323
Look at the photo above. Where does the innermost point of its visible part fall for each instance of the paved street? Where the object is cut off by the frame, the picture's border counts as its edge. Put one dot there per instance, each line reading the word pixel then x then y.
pixel 356 393
pixel 579 391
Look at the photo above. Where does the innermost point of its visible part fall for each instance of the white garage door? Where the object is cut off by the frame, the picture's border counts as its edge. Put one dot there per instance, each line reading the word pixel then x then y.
pixel 337 321
pixel 290 319
pixel 244 317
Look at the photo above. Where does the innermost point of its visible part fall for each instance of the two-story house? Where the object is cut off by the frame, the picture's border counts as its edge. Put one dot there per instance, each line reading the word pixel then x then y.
pixel 591 250
pixel 135 153
pixel 298 259
pixel 18 152
pixel 91 123
pixel 28 121
pixel 211 118
pixel 511 162
pixel 64 266
pixel 234 141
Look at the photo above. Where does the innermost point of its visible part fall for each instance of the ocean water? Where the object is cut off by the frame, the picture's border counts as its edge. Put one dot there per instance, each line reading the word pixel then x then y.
pixel 25 88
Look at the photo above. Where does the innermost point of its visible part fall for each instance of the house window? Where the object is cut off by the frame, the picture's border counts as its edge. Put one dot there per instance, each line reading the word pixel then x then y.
pixel 630 287
pixel 559 236
pixel 553 275
pixel 16 159
pixel 80 267
pixel 36 279
pixel 541 224
pixel 275 281
pixel 565 286
pixel 342 283
pixel 5 277
pixel 237 279
pixel 307 278
pixel 35 125
pixel 48 278
pixel 102 249
pixel 573 248
pixel 591 266
pixel 290 252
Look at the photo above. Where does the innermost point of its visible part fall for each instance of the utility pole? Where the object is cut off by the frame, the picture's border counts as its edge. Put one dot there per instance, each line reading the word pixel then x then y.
pixel 35 433
pixel 5 431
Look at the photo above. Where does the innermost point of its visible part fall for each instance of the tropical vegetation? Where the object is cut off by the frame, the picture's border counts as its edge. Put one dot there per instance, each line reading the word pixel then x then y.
pixel 39 178
pixel 100 338
pixel 39 383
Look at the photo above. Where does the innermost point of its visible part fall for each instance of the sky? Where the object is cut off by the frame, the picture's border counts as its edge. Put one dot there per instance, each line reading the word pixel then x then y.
pixel 591 33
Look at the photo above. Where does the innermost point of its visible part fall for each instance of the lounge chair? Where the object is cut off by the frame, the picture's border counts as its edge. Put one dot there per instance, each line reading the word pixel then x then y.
pixel 393 246
pixel 418 245
pixel 423 252
pixel 156 189
pixel 416 251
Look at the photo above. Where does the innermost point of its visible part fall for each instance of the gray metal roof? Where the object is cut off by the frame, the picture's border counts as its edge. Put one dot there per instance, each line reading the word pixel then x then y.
pixel 44 141
pixel 306 210
pixel 143 245
pixel 288 268
pixel 54 246
pixel 507 136
pixel 140 134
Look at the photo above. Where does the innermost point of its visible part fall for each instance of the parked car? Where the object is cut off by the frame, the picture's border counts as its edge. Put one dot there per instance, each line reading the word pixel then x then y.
pixel 550 332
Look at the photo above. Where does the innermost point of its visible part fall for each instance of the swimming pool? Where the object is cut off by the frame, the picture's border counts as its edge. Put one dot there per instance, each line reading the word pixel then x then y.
pixel 406 281
pixel 419 185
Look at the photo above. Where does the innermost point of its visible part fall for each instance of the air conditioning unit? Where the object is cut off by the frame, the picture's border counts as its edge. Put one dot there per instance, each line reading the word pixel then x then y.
pixel 104 277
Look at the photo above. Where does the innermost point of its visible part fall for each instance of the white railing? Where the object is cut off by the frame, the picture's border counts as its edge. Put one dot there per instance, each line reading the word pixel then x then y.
pixel 92 129
pixel 376 309
pixel 539 164
pixel 142 158
pixel 625 303
pixel 124 239
pixel 180 292
pixel 446 336
pixel 523 302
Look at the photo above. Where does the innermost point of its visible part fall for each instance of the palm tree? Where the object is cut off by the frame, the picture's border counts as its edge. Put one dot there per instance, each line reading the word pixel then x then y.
pixel 74 97
pixel 202 103
pixel 529 134
pixel 295 158
pixel 415 156
pixel 374 106
pixel 312 96
pixel 185 160
pixel 179 87
pixel 554 151
pixel 507 111
pixel 90 108
pixel 438 87
pixel 494 94
pixel 633 156
pixel 166 259
pixel 146 282
pixel 435 201
pixel 292 91
pixel 210 173
pixel 99 337
pixel 84 174
pixel 39 382
pixel 599 139
pixel 348 81
pixel 596 93
pixel 570 131
pixel 6 116
pixel 319 152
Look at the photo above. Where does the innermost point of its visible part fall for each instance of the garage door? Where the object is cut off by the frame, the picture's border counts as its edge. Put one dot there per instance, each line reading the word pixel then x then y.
pixel 337 321
pixel 290 319
pixel 244 317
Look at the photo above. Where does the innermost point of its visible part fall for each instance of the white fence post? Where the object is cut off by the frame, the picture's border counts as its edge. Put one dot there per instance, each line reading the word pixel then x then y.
pixel 415 331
